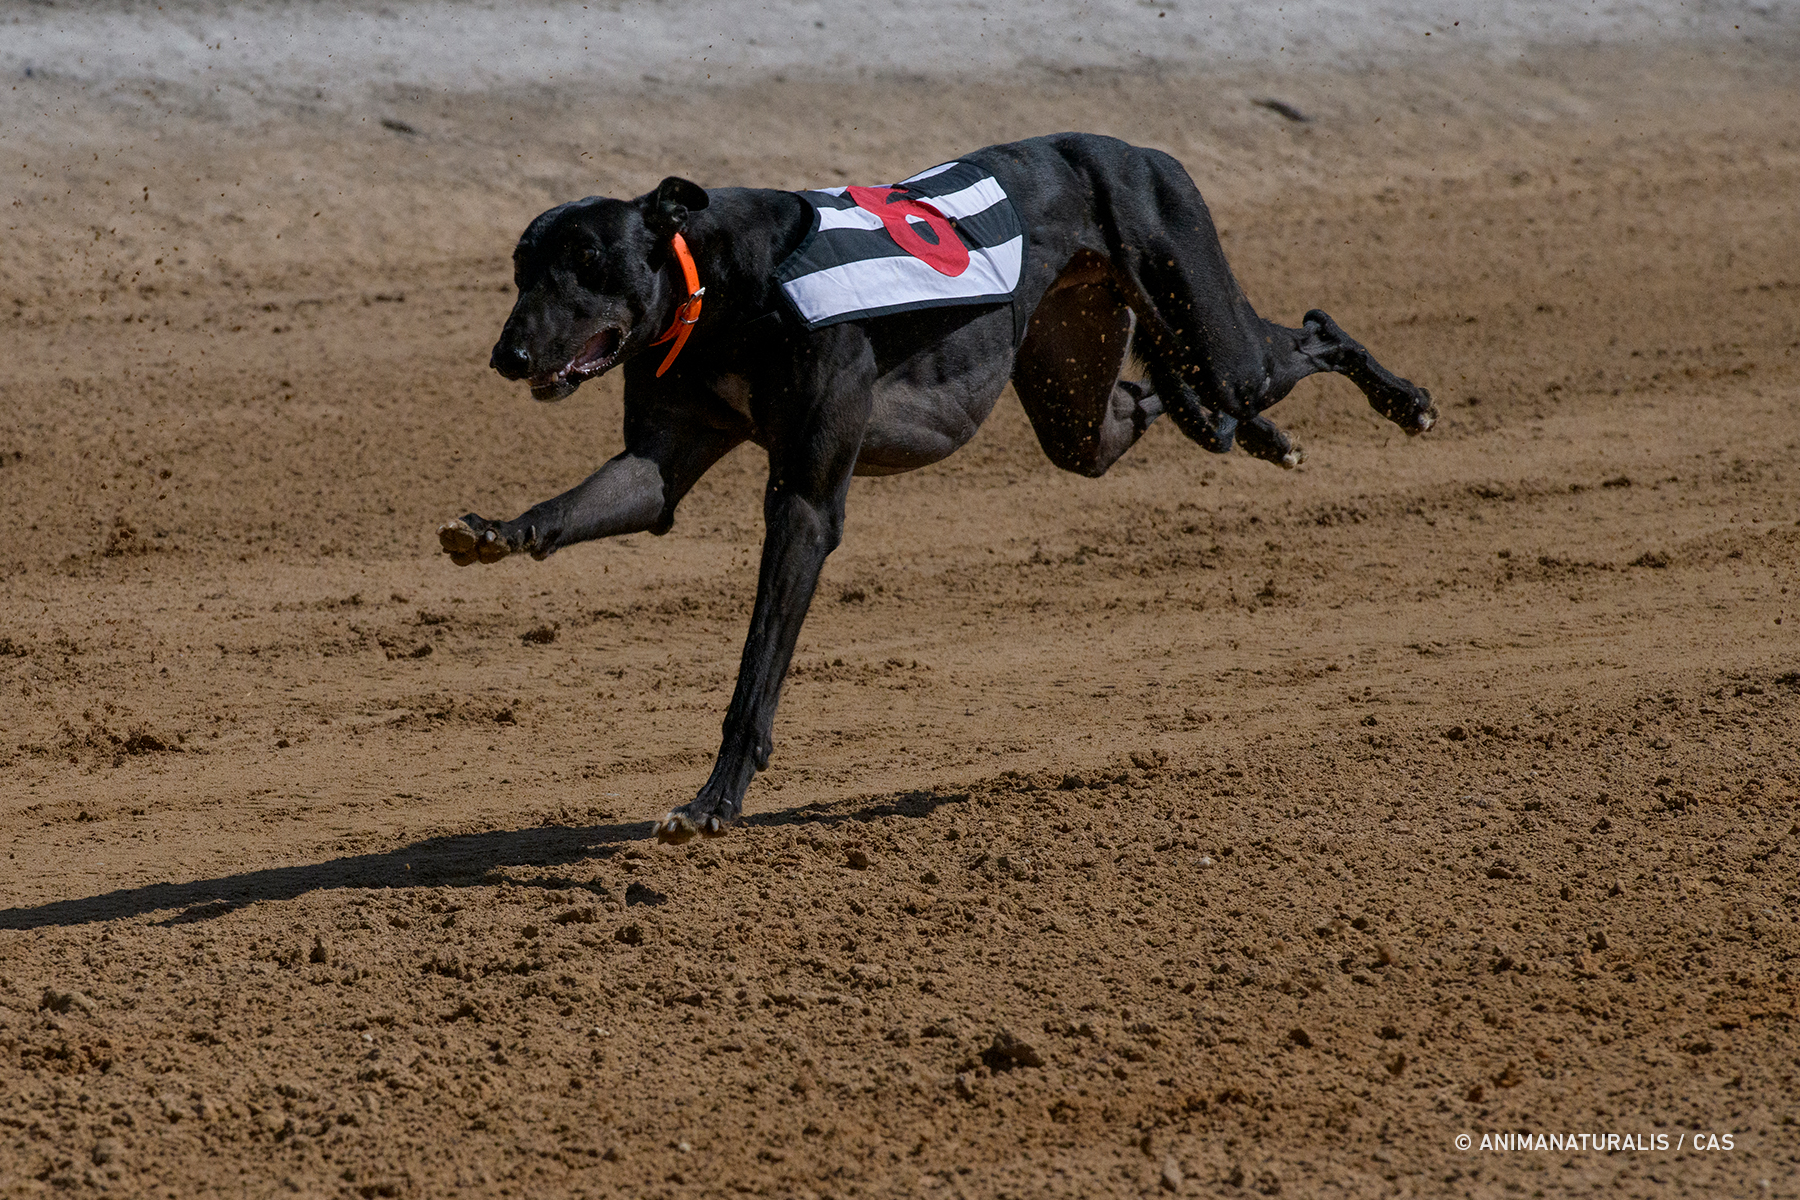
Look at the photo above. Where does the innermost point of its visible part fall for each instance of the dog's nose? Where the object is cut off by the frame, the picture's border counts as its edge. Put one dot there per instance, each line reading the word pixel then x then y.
pixel 513 362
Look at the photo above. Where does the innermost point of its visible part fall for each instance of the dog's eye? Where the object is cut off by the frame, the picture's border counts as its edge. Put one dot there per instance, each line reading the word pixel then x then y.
pixel 587 267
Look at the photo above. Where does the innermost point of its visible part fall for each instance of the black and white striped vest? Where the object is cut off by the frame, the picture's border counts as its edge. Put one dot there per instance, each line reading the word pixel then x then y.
pixel 946 236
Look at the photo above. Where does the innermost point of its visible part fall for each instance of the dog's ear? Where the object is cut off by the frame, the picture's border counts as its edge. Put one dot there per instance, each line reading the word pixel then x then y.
pixel 669 206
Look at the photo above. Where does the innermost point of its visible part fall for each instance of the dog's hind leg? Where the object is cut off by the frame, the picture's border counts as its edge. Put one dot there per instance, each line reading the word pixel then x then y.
pixel 1067 373
pixel 1067 376
pixel 1215 363
pixel 1321 346
pixel 1289 356
pixel 1261 438
pixel 1217 432
pixel 1265 374
pixel 1292 355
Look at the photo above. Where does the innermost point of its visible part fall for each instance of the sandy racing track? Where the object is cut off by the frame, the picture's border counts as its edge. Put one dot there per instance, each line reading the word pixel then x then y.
pixel 1204 829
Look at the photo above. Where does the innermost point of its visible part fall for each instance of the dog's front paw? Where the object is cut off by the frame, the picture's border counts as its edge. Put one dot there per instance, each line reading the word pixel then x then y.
pixel 690 821
pixel 471 539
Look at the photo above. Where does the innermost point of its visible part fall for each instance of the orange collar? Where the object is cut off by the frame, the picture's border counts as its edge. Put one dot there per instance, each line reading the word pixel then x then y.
pixel 689 311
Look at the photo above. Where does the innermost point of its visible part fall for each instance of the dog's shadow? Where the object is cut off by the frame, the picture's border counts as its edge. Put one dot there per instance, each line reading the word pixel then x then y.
pixel 466 860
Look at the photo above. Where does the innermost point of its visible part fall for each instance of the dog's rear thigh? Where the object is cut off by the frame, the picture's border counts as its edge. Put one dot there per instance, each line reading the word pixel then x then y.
pixel 1067 376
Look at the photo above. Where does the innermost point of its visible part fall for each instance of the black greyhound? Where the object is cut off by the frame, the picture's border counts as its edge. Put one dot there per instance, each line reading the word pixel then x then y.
pixel 1119 258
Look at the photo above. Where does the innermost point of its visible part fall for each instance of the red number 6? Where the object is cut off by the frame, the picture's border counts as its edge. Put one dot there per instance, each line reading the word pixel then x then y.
pixel 948 257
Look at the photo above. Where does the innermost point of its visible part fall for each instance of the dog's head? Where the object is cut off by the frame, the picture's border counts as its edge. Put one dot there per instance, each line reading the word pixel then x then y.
pixel 594 287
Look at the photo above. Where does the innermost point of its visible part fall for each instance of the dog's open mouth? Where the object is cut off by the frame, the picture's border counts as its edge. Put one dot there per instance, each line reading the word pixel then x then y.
pixel 596 358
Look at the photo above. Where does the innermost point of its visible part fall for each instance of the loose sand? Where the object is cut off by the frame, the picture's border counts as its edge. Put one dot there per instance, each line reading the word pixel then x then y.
pixel 1204 827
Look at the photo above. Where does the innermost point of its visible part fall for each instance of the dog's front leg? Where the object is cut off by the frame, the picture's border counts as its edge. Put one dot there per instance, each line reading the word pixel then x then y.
pixel 801 532
pixel 635 491
pixel 623 496
pixel 810 465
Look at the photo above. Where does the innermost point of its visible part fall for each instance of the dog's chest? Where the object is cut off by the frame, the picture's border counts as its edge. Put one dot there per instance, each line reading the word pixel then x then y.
pixel 734 390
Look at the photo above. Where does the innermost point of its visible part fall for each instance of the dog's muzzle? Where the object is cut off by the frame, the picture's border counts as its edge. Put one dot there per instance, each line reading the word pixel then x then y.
pixel 599 355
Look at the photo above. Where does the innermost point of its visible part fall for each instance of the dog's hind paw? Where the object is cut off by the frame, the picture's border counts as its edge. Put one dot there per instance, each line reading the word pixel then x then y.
pixel 1424 416
pixel 465 544
pixel 1260 438
pixel 1407 405
pixel 677 827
